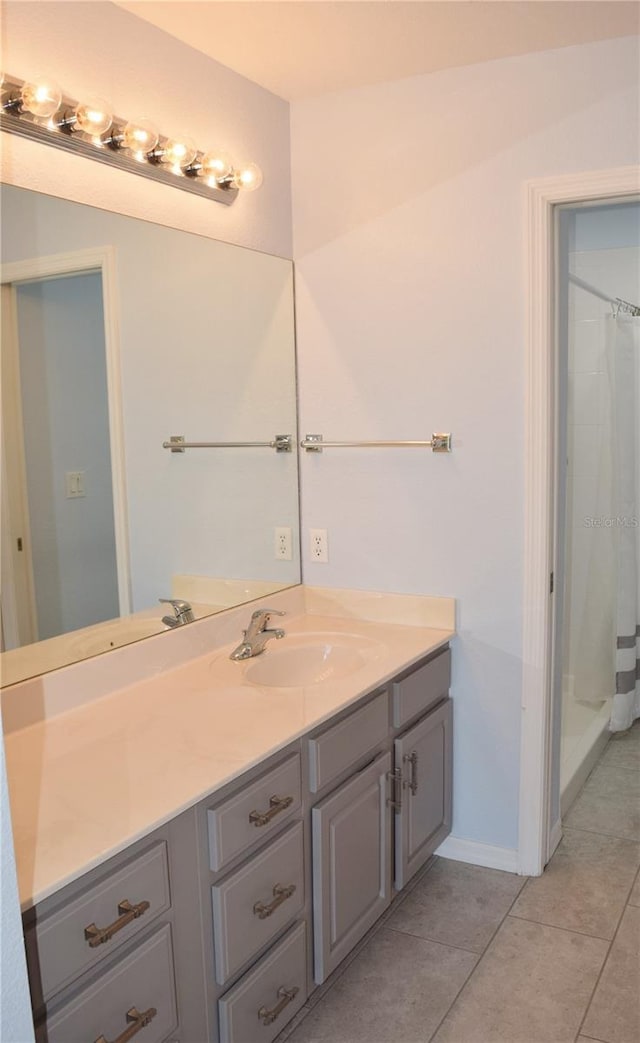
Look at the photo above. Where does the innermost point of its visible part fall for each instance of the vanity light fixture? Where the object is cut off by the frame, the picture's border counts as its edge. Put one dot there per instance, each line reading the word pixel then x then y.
pixel 38 109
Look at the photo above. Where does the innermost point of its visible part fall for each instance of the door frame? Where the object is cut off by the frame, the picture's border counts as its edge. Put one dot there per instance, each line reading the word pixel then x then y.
pixel 537 834
pixel 57 266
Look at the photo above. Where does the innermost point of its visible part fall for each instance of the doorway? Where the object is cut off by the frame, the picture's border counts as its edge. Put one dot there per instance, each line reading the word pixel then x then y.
pixel 64 562
pixel 598 283
pixel 540 827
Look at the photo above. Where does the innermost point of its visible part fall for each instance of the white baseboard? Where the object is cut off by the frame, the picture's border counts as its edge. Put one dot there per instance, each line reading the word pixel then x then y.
pixel 478 854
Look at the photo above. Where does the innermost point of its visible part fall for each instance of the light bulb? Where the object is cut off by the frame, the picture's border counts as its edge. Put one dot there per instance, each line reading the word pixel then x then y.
pixel 248 177
pixel 93 117
pixel 140 136
pixel 179 152
pixel 215 164
pixel 41 97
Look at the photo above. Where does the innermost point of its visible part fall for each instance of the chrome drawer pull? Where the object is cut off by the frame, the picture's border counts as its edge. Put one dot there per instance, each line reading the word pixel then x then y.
pixel 138 1020
pixel 276 805
pixel 280 895
pixel 412 759
pixel 127 912
pixel 266 1016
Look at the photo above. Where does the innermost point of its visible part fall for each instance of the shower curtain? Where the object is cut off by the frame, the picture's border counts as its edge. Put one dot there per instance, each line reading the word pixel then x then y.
pixel 623 345
pixel 608 654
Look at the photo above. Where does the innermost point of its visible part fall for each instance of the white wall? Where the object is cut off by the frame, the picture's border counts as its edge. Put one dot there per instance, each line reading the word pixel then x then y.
pixel 408 239
pixel 98 48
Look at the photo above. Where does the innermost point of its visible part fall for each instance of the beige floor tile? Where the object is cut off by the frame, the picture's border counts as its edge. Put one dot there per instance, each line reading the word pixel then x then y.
pixel 623 749
pixel 533 984
pixel 614 1014
pixel 585 886
pixel 634 897
pixel 458 904
pixel 609 803
pixel 397 989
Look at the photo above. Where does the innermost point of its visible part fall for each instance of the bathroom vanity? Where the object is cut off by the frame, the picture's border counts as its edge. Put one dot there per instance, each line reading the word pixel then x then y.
pixel 219 920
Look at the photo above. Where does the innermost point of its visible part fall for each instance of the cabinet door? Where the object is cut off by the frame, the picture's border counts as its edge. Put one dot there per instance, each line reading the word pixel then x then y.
pixel 351 864
pixel 423 820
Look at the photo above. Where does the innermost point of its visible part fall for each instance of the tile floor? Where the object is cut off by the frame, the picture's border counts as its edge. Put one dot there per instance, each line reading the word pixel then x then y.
pixel 473 955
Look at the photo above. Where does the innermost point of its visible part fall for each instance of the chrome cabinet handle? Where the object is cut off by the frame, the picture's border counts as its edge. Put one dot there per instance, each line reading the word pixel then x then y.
pixel 138 1021
pixel 127 913
pixel 280 895
pixel 266 1016
pixel 395 800
pixel 412 759
pixel 276 805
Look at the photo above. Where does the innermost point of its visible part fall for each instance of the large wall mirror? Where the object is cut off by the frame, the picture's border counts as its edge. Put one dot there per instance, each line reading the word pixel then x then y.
pixel 117 336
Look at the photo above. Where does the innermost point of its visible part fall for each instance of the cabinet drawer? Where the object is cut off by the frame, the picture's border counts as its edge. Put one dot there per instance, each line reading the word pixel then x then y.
pixel 58 947
pixel 341 746
pixel 253 813
pixel 268 996
pixel 421 689
pixel 255 902
pixel 142 981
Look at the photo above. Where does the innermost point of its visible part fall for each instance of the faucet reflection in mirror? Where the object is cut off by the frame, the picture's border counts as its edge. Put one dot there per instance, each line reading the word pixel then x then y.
pixel 38 109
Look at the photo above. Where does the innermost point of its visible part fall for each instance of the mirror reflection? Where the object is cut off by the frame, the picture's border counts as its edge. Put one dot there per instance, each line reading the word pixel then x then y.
pixel 117 336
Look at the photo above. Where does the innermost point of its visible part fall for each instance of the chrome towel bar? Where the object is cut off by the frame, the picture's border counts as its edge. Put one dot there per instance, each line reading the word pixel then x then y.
pixel 281 444
pixel 438 443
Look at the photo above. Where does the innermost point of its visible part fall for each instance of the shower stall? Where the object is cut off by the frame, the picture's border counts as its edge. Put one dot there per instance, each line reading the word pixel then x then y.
pixel 599 378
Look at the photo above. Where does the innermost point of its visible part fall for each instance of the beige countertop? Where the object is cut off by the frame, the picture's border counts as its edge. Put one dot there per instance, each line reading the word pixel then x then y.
pixel 86 783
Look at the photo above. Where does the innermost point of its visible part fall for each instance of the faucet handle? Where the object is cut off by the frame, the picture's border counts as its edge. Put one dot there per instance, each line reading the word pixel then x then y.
pixel 267 612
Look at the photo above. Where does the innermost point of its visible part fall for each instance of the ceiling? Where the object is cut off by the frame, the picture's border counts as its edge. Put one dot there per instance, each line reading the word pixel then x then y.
pixel 302 48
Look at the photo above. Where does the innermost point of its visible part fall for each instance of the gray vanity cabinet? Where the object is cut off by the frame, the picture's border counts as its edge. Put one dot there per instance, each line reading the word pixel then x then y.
pixel 386 820
pixel 422 755
pixel 111 956
pixel 351 864
pixel 215 926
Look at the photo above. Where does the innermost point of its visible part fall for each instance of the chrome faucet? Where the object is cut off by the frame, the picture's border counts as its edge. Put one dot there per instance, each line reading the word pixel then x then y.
pixel 256 635
pixel 182 609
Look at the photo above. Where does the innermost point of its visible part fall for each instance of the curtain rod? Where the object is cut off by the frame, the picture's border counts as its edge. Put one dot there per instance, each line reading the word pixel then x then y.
pixel 621 304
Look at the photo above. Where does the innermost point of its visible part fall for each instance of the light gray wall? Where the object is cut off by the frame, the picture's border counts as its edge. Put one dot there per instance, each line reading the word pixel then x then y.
pixel 411 318
pixel 66 428
pixel 604 227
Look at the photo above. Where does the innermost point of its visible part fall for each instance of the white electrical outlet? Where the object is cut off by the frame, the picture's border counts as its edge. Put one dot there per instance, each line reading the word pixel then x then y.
pixel 318 545
pixel 283 543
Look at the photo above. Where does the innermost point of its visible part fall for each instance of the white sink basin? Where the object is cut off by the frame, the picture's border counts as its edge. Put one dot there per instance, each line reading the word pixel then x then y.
pixel 307 659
